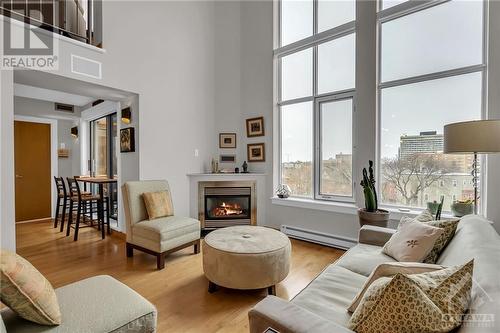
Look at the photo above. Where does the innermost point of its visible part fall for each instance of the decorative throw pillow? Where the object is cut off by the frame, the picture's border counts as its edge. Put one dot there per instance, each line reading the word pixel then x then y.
pixel 427 302
pixel 449 227
pixel 26 291
pixel 390 269
pixel 158 204
pixel 413 241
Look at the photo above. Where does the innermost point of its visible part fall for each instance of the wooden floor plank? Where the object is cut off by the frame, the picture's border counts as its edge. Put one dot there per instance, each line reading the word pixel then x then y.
pixel 179 291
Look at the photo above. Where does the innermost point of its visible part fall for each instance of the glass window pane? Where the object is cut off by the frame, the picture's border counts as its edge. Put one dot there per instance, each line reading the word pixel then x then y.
pixel 440 38
pixel 100 146
pixel 336 64
pixel 336 147
pixel 297 148
pixel 332 13
pixel 296 75
pixel 412 161
pixel 296 20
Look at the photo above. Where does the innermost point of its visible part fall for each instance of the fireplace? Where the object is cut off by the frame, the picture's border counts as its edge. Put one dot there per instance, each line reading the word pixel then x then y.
pixel 226 203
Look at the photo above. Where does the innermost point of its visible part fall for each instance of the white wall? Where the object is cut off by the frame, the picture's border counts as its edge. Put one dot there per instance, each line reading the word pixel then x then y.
pixel 7 208
pixel 228 111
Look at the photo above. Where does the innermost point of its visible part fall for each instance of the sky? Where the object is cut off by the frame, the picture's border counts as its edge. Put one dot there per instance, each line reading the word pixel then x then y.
pixel 443 37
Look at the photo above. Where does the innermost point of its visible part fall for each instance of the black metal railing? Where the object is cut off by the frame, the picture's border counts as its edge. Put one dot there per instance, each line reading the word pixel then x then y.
pixel 76 19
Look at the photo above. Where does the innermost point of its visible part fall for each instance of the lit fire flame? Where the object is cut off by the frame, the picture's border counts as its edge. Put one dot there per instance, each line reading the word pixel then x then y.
pixel 227 209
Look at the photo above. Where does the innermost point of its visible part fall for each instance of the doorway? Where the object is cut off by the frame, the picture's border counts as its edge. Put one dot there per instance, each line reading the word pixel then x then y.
pixel 33 171
pixel 103 156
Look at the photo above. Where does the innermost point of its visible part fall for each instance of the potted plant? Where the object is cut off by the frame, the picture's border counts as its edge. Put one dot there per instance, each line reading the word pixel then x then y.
pixel 371 215
pixel 461 208
pixel 433 207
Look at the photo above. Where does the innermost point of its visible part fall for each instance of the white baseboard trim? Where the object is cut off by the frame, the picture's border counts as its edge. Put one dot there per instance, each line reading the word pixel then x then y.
pixel 318 237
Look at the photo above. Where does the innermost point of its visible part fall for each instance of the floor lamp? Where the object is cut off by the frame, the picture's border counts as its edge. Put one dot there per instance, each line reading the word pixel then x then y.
pixel 473 137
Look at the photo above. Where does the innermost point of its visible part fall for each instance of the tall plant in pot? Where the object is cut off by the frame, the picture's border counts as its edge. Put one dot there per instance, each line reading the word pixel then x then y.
pixel 371 214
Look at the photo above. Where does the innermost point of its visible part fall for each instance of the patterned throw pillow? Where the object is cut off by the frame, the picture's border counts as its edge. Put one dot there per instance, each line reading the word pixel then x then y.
pixel 413 241
pixel 449 227
pixel 26 291
pixel 429 302
pixel 390 269
pixel 158 204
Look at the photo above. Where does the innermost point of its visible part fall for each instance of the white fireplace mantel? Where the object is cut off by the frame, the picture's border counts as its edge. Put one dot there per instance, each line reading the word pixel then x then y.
pixel 259 178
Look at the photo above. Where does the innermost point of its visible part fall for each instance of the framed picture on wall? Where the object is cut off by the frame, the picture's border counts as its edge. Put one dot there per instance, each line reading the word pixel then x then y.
pixel 227 140
pixel 255 127
pixel 127 140
pixel 256 152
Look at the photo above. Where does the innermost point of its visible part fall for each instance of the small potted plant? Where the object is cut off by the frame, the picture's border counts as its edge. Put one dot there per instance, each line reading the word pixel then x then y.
pixel 433 207
pixel 461 208
pixel 371 215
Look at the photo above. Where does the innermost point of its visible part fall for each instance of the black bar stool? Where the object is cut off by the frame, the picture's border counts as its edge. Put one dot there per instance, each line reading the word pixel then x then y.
pixel 62 200
pixel 82 201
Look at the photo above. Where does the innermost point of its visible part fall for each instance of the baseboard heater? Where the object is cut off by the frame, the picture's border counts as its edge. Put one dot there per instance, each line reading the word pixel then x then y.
pixel 318 237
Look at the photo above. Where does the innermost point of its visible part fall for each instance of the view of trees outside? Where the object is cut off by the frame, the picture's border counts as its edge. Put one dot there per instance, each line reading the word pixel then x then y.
pixel 406 180
pixel 416 179
pixel 336 175
pixel 298 175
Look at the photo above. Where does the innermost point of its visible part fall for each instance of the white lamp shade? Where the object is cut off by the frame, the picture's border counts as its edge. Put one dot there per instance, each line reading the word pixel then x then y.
pixel 481 136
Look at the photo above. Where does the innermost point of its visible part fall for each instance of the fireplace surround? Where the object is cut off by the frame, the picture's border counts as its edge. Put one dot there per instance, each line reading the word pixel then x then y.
pixel 226 203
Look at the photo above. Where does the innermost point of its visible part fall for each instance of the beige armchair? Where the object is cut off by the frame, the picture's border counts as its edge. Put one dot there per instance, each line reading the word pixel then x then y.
pixel 161 236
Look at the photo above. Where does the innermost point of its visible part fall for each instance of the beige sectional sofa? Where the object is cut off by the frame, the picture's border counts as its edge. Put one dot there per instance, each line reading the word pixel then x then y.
pixel 321 306
pixel 99 304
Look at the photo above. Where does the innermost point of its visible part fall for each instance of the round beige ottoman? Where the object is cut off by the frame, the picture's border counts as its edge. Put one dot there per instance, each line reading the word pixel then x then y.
pixel 246 257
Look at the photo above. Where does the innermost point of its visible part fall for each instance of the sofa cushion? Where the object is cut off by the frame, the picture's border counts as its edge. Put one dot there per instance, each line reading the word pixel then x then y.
pixel 158 204
pixel 95 305
pixel 476 239
pixel 330 294
pixel 165 228
pixel 363 259
pixel 2 326
pixel 26 291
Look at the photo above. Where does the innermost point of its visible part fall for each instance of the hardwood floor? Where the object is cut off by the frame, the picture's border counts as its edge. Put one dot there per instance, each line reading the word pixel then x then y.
pixel 179 291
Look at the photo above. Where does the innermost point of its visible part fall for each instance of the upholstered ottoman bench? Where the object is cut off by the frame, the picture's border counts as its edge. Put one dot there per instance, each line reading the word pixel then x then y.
pixel 246 257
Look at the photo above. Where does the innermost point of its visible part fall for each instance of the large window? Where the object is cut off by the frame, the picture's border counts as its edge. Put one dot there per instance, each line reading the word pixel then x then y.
pixel 316 58
pixel 431 73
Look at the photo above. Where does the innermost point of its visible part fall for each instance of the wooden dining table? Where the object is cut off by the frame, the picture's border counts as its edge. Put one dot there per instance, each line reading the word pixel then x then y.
pixel 100 181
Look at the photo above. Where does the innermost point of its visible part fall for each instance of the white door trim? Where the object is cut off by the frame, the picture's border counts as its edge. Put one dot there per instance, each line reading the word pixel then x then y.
pixel 53 152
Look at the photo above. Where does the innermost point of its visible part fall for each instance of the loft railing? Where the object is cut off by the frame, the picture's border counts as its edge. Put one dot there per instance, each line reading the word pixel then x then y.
pixel 77 19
